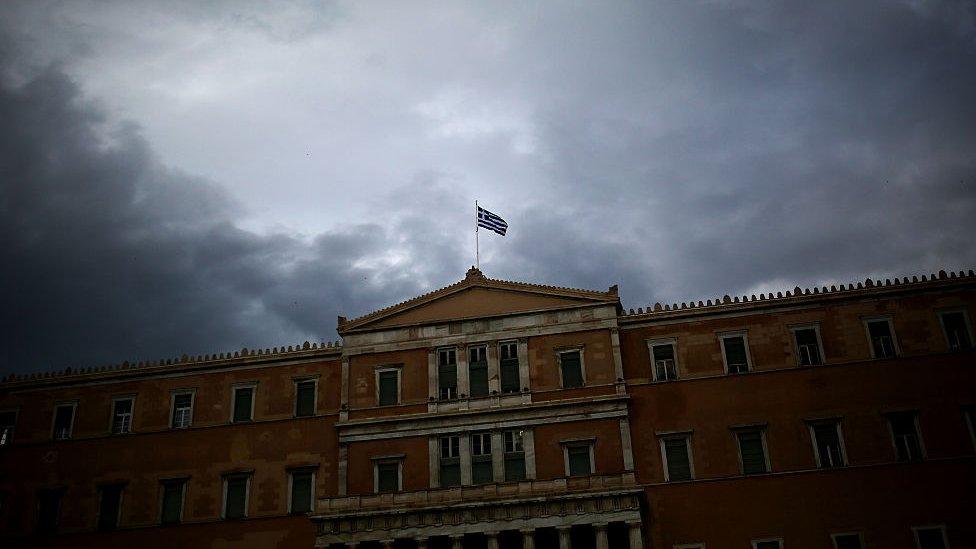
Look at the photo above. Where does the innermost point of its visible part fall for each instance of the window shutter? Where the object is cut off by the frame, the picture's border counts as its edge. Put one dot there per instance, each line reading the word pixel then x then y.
pixel 515 467
pixel 447 375
pixel 242 403
pixel 389 477
pixel 481 470
pixel 579 460
pixel 478 378
pixel 305 405
pixel 753 456
pixel 572 373
pixel 679 468
pixel 236 497
pixel 510 375
pixel 388 388
pixel 301 492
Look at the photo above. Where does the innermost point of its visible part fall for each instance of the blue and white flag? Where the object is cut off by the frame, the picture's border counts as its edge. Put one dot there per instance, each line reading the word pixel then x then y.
pixel 491 221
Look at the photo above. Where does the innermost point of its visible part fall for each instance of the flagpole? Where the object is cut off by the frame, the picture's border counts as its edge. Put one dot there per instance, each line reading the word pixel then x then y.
pixel 477 250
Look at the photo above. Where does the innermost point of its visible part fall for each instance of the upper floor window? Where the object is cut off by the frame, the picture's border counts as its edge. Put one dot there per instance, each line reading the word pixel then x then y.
pixel 578 456
pixel 49 509
pixel 182 416
pixel 509 367
pixel 481 465
pixel 735 353
pixel 955 324
pixel 388 386
pixel 236 491
pixel 571 368
pixel 301 490
pixel 905 435
pixel 771 543
pixel 243 404
pixel 881 335
pixel 8 420
pixel 514 455
pixel 752 451
pixel 171 500
pixel 478 371
pixel 64 420
pixel 809 351
pixel 450 461
pixel 305 397
pixel 387 475
pixel 930 537
pixel 828 443
pixel 850 540
pixel 663 361
pixel 109 506
pixel 122 415
pixel 676 453
pixel 447 379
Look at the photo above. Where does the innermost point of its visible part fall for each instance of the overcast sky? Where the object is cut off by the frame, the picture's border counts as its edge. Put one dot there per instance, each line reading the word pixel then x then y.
pixel 199 177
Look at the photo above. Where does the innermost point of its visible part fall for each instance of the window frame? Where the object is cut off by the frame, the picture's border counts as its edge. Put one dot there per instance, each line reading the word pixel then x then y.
pixel 896 348
pixel 118 512
pixel 588 443
pixel 918 434
pixel 673 342
pixel 387 460
pixel 811 424
pixel 815 326
pixel 744 334
pixel 482 457
pixel 183 482
pixel 172 406
pixel 314 380
pixel 225 481
pixel 965 319
pixel 310 470
pixel 71 426
pixel 457 373
pixel 398 368
pixel 939 527
pixel 467 350
pixel 686 436
pixel 253 386
pixel 132 414
pixel 859 535
pixel 582 361
pixel 13 427
pixel 756 542
pixel 518 370
pixel 761 429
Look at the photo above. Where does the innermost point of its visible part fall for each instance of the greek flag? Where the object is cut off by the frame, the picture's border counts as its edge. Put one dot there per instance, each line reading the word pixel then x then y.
pixel 491 221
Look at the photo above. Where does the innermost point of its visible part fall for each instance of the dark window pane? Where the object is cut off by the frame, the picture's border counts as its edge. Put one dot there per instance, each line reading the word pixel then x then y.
pixel 242 403
pixel 579 461
pixel 301 492
pixel 182 410
pixel 848 541
pixel 515 466
pixel 236 497
pixel 7 421
pixel 389 388
pixel 828 445
pixel 172 502
pixel 122 417
pixel 305 399
pixel 108 509
pixel 571 369
pixel 807 348
pixel 48 510
pixel 63 416
pixel 753 454
pixel 478 378
pixel 481 470
pixel 664 368
pixel 956 330
pixel 908 447
pixel 450 472
pixel 735 354
pixel 510 375
pixel 679 466
pixel 447 381
pixel 881 340
pixel 930 538
pixel 388 477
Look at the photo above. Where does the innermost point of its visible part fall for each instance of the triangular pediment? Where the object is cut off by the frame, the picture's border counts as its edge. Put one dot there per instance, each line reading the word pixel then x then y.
pixel 477 297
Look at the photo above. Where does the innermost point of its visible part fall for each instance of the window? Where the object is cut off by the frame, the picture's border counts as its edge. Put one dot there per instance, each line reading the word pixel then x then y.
pixel 182 416
pixel 571 367
pixel 579 458
pixel 752 451
pixel 930 537
pixel 301 487
pixel 828 444
pixel 481 466
pixel 847 541
pixel 110 506
pixel 809 351
pixel 48 509
pixel 64 419
pixel 122 415
pixel 387 476
pixel 388 386
pixel 514 455
pixel 236 488
pixel 767 543
pixel 8 420
pixel 735 352
pixel 447 381
pixel 955 324
pixel 881 336
pixel 171 508
pixel 478 371
pixel 450 461
pixel 664 366
pixel 904 432
pixel 676 452
pixel 243 404
pixel 509 367
pixel 969 415
pixel 305 397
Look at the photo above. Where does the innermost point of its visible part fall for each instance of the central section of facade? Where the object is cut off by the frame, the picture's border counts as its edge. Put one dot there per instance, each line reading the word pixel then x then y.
pixel 484 409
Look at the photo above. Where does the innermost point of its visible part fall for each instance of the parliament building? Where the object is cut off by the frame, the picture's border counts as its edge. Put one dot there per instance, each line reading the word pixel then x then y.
pixel 493 414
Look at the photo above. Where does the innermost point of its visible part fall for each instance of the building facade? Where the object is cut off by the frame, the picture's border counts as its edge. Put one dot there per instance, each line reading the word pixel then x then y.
pixel 495 414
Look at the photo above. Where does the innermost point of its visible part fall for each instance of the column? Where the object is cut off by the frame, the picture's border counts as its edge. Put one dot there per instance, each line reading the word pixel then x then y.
pixel 464 384
pixel 344 390
pixel 528 443
pixel 564 541
pixel 626 445
pixel 343 468
pixel 465 460
pixel 457 542
pixel 492 539
pixel 433 390
pixel 618 366
pixel 636 539
pixel 528 538
pixel 497 456
pixel 494 376
pixel 434 461
pixel 600 529
pixel 523 358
